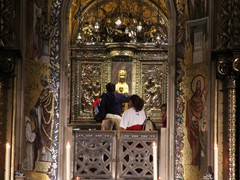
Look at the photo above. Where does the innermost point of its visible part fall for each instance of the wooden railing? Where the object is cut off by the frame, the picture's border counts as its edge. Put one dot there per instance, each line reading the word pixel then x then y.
pixel 114 155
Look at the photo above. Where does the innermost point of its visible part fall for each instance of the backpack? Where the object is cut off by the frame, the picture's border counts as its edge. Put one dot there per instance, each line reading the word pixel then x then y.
pixel 99 111
pixel 149 125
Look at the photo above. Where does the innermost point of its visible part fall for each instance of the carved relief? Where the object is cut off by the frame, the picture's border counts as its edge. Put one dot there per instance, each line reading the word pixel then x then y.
pixel 90 74
pixel 87 81
pixel 153 85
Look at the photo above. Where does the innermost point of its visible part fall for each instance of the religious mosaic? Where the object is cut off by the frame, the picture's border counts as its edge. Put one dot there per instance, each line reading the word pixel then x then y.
pixel 39 118
pixel 191 91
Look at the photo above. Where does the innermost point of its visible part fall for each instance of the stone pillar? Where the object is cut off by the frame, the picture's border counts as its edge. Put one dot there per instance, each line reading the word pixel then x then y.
pixel 7 67
pixel 228 67
pixel 231 91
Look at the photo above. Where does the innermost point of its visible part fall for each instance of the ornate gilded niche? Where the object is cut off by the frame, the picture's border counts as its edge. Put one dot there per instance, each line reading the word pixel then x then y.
pixel 93 68
pixel 109 36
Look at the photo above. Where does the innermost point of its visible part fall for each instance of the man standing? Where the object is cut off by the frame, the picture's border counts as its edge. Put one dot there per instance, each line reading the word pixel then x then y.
pixel 112 101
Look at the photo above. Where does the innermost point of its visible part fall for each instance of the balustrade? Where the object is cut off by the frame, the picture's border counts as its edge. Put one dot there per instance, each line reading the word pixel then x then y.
pixel 114 154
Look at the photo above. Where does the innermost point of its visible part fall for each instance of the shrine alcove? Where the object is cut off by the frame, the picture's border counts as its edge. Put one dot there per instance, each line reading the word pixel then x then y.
pixel 108 38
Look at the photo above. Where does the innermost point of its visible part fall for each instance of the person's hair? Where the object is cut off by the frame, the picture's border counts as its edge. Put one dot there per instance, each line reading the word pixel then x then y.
pixel 163 105
pixel 137 102
pixel 110 87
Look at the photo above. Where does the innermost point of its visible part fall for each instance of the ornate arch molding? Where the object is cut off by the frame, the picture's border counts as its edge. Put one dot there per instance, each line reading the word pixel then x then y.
pixel 55 61
pixel 60 10
pixel 87 11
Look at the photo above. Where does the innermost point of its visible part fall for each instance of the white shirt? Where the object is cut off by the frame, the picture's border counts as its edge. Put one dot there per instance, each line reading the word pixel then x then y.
pixel 130 118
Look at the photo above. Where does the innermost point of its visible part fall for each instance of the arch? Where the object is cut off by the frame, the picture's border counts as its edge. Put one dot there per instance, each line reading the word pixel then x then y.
pixel 65 132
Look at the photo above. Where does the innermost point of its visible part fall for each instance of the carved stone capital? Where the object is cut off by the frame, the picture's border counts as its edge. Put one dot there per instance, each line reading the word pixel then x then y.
pixel 227 63
pixel 236 64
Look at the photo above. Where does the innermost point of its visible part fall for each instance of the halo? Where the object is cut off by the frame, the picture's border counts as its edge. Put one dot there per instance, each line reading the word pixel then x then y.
pixel 194 82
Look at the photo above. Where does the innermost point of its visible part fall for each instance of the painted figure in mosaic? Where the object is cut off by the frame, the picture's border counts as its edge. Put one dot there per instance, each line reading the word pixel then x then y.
pixel 196 114
pixel 30 135
pixel 203 141
pixel 44 109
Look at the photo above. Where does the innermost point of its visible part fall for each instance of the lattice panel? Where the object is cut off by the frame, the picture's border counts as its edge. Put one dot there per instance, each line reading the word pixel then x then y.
pixel 136 155
pixel 94 152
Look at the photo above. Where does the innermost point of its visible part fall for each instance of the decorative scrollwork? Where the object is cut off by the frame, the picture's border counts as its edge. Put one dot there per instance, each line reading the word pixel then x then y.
pixel 236 24
pixel 146 56
pixel 55 82
pixel 223 28
pixel 236 64
pixel 232 128
pixel 223 67
pixel 7 24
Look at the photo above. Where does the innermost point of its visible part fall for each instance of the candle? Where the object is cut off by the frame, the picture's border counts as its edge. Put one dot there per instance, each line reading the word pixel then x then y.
pixel 7 162
pixel 154 161
pixel 68 167
pixel 215 161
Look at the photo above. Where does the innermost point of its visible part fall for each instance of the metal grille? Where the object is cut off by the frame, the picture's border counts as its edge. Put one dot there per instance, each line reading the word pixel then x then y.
pixel 113 154
pixel 135 155
pixel 94 154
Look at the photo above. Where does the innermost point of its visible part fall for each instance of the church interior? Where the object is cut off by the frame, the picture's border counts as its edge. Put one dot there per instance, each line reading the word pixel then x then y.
pixel 56 57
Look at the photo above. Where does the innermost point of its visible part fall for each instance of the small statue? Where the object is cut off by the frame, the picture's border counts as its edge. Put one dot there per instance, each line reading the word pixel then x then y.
pixel 122 86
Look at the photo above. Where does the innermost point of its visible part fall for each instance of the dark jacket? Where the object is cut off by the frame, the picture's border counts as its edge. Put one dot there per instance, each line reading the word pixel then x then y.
pixel 113 102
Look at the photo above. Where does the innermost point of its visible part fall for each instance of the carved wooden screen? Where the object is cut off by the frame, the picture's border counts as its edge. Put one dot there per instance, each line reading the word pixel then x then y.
pixel 92 69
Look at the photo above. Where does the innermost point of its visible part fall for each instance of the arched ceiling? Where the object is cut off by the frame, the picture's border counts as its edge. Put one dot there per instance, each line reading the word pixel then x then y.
pixel 151 13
